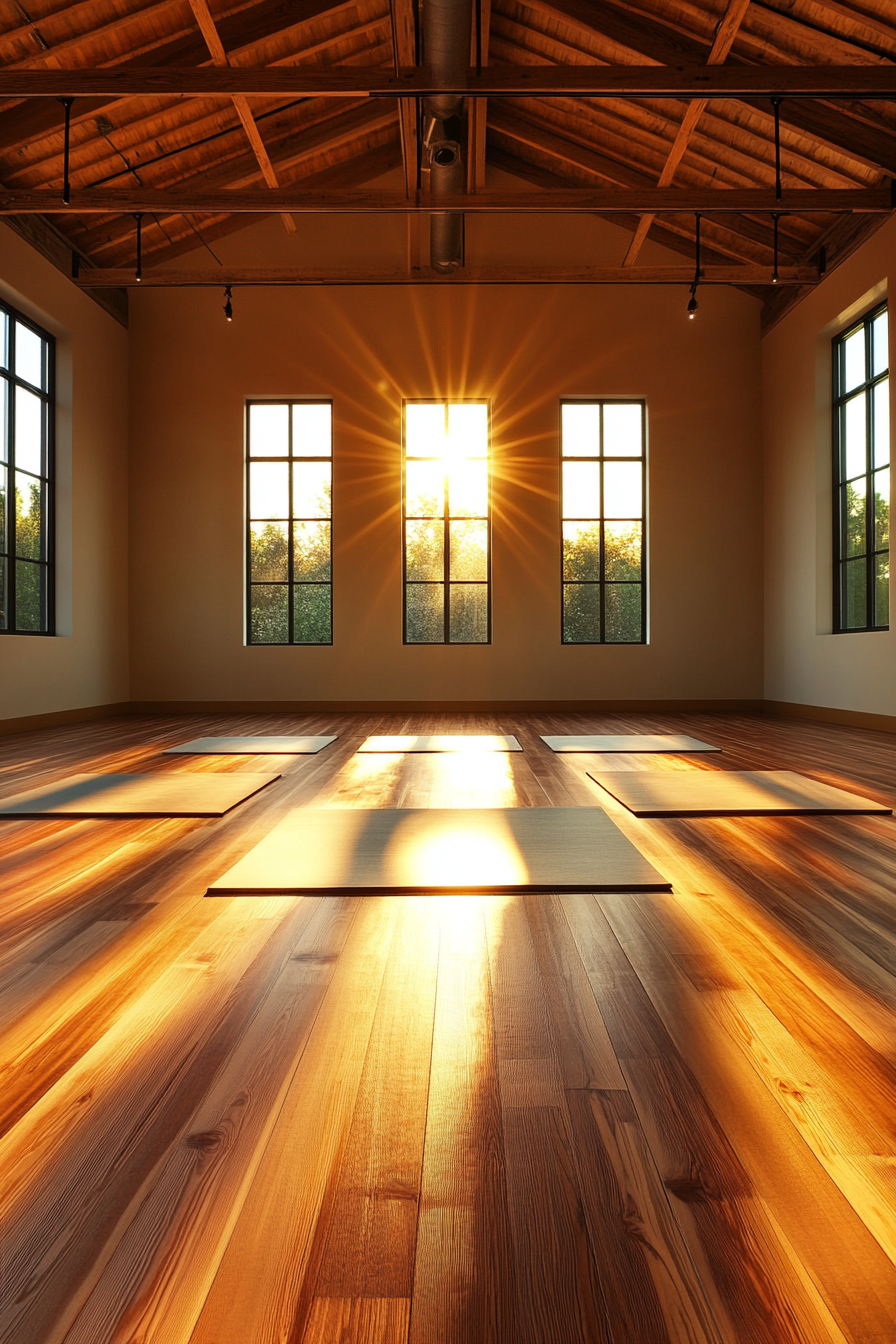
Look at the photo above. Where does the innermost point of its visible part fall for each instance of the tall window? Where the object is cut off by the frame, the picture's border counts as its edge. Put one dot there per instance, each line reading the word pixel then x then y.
pixel 26 471
pixel 446 523
pixel 603 465
pixel 862 476
pixel 289 553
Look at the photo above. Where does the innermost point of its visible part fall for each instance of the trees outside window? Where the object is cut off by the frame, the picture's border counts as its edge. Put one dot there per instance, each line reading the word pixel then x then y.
pixel 446 523
pixel 27 356
pixel 289 472
pixel 602 505
pixel 861 437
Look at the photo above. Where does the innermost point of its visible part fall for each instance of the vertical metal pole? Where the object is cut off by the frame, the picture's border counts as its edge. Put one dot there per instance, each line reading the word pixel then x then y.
pixel 775 218
pixel 776 105
pixel 66 150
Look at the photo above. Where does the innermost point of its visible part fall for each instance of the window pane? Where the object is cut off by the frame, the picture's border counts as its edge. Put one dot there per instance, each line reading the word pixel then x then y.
pixel 882 423
pixel 269 613
pixel 30 356
pixel 852 355
pixel 269 490
pixel 881 509
pixel 311 489
pixel 424 489
pixel 3 510
pixel 580 425
pixel 854 518
pixel 425 429
pixel 622 617
pixel 311 617
pixel 29 516
pixel 311 553
pixel 581 550
pixel 425 613
pixel 425 550
pixel 622 550
pixel 622 430
pixel 880 356
pixel 622 490
pixel 269 430
pixel 581 613
pixel 882 590
pixel 468 613
pixel 30 595
pixel 468 489
pixel 269 552
pixel 581 489
pixel 853 421
pixel 468 551
pixel 4 430
pixel 311 430
pixel 467 429
pixel 29 432
pixel 4 341
pixel 854 592
pixel 4 602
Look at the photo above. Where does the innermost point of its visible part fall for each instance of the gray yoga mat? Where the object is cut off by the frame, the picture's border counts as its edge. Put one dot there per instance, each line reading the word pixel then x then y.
pixel 728 793
pixel 465 742
pixel 656 742
pixel 442 850
pixel 250 746
pixel 167 795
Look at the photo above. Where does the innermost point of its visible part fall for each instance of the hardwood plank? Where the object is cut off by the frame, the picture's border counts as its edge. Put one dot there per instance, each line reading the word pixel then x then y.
pixel 462 1271
pixel 375 1320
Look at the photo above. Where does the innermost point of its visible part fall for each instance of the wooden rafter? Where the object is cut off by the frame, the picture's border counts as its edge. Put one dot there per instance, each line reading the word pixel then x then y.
pixel 404 48
pixel 525 81
pixel 212 38
pixel 722 44
pixel 477 108
pixel 656 200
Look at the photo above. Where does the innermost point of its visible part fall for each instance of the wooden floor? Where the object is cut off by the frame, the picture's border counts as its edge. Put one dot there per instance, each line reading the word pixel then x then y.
pixel 625 1119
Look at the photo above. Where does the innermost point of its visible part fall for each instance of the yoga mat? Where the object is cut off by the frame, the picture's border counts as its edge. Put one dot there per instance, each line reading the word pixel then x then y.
pixel 169 795
pixel 724 793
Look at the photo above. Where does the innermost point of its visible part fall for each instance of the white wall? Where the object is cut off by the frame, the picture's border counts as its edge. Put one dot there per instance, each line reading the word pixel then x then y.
pixel 85 664
pixel 523 348
pixel 804 662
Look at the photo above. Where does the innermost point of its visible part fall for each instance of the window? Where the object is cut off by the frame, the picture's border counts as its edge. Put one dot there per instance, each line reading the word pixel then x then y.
pixel 289 554
pixel 26 470
pixel 446 523
pixel 862 476
pixel 603 487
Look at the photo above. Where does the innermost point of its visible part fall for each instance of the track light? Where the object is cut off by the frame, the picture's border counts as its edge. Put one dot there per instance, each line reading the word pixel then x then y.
pixel 693 305
pixel 228 306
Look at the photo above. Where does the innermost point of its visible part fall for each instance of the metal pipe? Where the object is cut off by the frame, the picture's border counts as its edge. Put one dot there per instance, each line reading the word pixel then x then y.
pixel 446 228
pixel 447 31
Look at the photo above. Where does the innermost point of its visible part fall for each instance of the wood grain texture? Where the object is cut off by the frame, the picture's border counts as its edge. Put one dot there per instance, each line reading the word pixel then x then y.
pixel 622 1118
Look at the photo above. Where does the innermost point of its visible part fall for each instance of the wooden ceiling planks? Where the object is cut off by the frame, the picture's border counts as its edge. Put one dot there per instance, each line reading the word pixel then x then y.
pixel 198 144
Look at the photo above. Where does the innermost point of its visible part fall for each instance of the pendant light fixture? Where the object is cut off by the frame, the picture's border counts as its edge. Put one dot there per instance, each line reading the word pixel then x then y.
pixel 693 305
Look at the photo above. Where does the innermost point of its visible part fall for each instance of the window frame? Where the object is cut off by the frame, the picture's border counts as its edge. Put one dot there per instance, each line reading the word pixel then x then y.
pixel 290 582
pixel 602 582
pixel 447 518
pixel 47 477
pixel 839 398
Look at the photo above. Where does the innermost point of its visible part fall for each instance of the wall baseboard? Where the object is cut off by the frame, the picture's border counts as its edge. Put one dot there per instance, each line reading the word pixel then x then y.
pixel 444 706
pixel 852 718
pixel 59 717
pixel 885 723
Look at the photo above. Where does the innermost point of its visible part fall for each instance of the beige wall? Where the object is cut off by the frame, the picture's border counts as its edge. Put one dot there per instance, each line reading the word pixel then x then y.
pixel 805 663
pixel 367 348
pixel 87 662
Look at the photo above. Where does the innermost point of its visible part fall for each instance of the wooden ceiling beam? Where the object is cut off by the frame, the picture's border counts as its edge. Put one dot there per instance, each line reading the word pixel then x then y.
pixel 203 16
pixel 722 44
pixel 657 42
pixel 671 200
pixel 468 275
pixel 525 81
pixel 477 108
pixel 404 51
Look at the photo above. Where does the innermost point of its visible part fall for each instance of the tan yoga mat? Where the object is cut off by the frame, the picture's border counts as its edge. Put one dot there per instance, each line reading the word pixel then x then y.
pixel 657 742
pixel 169 795
pixel 442 850
pixel 727 793
pixel 250 746
pixel 472 742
